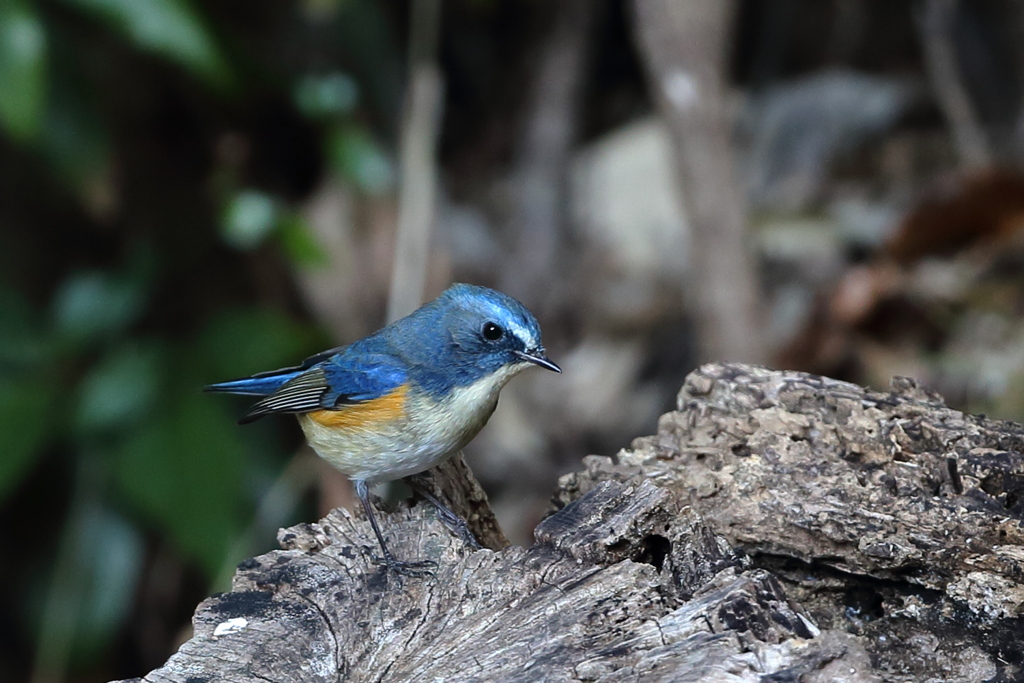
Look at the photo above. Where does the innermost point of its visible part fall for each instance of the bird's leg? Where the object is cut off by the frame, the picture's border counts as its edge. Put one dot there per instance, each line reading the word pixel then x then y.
pixel 420 568
pixel 420 483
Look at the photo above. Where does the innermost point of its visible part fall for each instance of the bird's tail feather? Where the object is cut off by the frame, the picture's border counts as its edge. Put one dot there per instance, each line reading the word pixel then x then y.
pixel 252 386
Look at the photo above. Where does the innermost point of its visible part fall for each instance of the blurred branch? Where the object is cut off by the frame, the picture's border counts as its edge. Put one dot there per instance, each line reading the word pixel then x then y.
pixel 418 189
pixel 332 291
pixel 685 46
pixel 936 27
pixel 542 158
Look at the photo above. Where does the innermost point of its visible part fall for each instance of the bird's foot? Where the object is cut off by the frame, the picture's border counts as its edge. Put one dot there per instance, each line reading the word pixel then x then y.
pixel 459 527
pixel 413 569
pixel 420 483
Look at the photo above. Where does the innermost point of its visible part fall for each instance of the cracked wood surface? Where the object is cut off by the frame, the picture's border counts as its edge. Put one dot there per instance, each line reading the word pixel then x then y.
pixel 779 527
pixel 621 585
pixel 887 514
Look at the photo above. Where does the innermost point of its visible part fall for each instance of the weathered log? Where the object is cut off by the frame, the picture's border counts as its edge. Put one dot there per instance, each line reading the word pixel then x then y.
pixel 887 515
pixel 893 520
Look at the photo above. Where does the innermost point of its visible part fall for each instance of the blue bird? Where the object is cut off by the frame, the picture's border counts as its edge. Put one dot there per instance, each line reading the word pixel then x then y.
pixel 396 403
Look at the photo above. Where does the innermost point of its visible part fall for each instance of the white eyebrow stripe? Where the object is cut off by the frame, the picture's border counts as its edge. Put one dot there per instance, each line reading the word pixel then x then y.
pixel 501 316
pixel 522 333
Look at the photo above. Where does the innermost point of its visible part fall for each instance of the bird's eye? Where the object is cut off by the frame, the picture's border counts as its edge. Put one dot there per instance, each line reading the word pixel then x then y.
pixel 492 332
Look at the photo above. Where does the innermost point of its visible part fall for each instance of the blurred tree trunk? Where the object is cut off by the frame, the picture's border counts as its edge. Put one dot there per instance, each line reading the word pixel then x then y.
pixel 684 46
pixel 539 176
pixel 420 129
pixel 946 77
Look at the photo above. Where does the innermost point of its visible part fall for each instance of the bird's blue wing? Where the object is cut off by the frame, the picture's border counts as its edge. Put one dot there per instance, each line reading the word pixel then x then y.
pixel 340 380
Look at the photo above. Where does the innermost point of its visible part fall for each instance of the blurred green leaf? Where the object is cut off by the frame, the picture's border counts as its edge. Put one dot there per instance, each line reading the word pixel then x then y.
pixel 172 28
pixel 24 417
pixel 120 389
pixel 98 560
pixel 184 470
pixel 21 340
pixel 354 152
pixel 108 560
pixel 365 35
pixel 250 217
pixel 22 69
pixel 93 304
pixel 326 95
pixel 73 139
pixel 243 342
pixel 300 244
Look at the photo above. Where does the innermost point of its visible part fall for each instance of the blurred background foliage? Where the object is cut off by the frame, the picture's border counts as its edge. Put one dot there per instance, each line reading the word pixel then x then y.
pixel 193 191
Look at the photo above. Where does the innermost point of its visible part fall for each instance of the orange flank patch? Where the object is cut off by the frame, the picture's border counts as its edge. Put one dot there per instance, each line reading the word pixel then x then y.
pixel 360 415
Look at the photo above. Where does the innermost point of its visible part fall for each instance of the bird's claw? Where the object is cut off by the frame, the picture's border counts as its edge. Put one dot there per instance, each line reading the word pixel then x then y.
pixel 455 524
pixel 460 528
pixel 413 569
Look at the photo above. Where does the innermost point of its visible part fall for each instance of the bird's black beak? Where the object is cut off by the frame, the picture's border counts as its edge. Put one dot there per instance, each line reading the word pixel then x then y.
pixel 537 357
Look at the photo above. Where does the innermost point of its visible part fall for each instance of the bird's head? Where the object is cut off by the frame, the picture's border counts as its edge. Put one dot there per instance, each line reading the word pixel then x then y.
pixel 469 332
pixel 492 329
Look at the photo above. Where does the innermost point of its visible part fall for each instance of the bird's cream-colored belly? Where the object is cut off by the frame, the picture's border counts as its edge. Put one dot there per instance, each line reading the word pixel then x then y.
pixel 427 432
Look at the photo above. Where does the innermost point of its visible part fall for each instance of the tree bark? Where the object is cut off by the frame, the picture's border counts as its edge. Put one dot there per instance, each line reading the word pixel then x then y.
pixel 779 526
pixel 886 514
